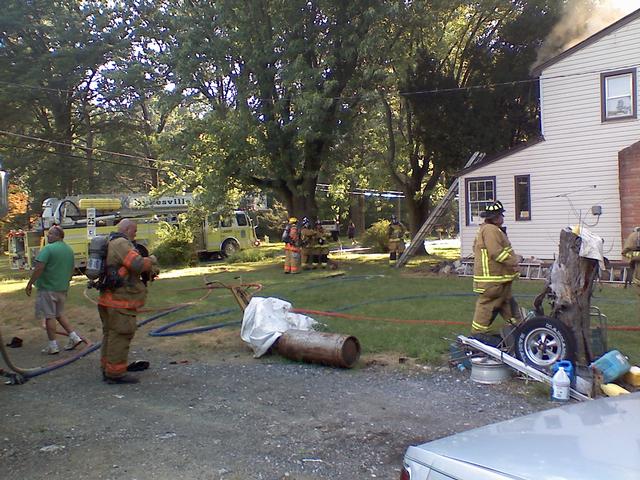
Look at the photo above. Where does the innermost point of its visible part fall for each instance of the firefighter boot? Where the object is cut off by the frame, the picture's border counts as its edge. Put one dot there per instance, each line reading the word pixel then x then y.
pixel 123 379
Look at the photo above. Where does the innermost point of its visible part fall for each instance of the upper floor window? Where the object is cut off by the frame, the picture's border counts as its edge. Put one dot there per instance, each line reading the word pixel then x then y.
pixel 618 94
pixel 481 192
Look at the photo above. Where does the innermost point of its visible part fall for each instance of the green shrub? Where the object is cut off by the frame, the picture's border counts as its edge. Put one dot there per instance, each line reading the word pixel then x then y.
pixel 173 246
pixel 252 255
pixel 270 222
pixel 376 237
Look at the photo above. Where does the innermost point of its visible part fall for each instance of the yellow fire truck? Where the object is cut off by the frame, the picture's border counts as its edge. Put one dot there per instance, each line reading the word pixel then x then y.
pixel 84 216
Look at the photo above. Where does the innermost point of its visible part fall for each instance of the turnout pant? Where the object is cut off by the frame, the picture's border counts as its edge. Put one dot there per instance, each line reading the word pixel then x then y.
pixel 118 329
pixel 306 257
pixel 495 300
pixel 396 248
pixel 291 260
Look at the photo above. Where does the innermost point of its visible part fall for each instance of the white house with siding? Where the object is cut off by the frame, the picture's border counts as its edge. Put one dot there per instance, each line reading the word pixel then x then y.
pixel 585 168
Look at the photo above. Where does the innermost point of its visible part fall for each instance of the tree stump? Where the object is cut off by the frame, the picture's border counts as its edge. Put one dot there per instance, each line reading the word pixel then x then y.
pixel 571 284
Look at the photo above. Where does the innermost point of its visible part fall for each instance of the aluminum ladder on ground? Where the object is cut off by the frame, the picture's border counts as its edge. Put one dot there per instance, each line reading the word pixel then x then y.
pixel 435 216
pixel 616 273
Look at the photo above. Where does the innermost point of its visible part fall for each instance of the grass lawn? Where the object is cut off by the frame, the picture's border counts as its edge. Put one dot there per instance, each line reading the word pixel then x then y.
pixel 363 285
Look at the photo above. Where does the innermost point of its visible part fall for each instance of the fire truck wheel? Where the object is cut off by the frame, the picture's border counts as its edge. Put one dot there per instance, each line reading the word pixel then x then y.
pixel 229 247
pixel 543 341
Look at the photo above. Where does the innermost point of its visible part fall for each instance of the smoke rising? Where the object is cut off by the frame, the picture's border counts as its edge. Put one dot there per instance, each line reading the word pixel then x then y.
pixel 580 20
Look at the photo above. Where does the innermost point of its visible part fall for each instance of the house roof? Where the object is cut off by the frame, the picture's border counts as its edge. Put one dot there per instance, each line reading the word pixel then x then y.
pixel 537 70
pixel 501 155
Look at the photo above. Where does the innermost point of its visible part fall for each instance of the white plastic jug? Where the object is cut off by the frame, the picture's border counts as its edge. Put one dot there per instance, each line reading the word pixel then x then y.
pixel 560 385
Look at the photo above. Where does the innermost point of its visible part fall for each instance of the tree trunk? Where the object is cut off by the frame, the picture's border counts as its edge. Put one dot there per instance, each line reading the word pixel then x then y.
pixel 417 216
pixel 572 281
pixel 299 205
pixel 149 151
pixel 356 213
pixel 91 174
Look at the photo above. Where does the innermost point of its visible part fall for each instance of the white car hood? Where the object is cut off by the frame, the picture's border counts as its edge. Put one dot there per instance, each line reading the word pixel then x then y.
pixel 593 440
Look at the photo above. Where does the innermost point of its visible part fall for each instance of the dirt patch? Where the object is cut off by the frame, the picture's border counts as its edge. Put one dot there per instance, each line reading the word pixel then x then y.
pixel 208 410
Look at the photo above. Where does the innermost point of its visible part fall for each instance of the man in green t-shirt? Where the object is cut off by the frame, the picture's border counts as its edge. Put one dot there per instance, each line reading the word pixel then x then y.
pixel 54 269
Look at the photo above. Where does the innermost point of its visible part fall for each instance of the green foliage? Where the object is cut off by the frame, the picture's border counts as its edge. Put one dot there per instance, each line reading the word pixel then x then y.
pixel 437 50
pixel 277 81
pixel 51 54
pixel 252 255
pixel 219 98
pixel 377 237
pixel 173 246
pixel 270 222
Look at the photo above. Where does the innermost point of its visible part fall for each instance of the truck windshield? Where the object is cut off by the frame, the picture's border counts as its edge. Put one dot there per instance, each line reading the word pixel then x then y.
pixel 241 218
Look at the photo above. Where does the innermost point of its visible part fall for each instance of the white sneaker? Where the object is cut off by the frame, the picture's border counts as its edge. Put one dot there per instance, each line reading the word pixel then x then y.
pixel 51 350
pixel 71 343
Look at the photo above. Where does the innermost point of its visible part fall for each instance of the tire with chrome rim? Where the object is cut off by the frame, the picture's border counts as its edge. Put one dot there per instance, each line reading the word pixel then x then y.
pixel 543 341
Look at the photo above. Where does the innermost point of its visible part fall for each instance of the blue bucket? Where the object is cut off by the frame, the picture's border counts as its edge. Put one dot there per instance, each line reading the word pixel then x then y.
pixel 612 365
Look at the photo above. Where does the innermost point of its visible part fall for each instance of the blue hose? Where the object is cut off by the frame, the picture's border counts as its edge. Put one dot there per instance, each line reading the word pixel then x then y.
pixel 39 371
pixel 161 332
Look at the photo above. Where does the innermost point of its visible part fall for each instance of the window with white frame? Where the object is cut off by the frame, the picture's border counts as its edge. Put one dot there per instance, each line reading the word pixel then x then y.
pixel 480 192
pixel 618 95
pixel 522 189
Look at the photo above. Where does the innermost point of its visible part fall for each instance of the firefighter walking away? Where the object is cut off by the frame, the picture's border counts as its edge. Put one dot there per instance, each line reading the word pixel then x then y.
pixel 494 270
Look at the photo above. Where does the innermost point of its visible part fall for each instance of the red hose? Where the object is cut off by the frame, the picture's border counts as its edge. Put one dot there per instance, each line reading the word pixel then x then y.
pixel 622 328
pixel 384 319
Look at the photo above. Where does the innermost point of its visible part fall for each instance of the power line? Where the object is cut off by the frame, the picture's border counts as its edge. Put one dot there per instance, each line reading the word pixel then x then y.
pixel 108 152
pixel 36 87
pixel 70 155
pixel 493 85
pixel 355 97
pixel 472 87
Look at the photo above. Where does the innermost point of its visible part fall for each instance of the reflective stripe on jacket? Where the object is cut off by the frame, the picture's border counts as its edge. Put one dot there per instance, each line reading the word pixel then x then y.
pixel 130 264
pixel 294 235
pixel 495 261
pixel 107 300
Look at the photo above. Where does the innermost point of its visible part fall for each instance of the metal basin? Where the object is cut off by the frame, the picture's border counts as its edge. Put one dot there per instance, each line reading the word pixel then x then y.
pixel 489 371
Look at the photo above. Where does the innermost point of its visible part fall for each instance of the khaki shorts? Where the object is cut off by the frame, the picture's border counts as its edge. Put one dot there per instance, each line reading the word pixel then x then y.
pixel 50 304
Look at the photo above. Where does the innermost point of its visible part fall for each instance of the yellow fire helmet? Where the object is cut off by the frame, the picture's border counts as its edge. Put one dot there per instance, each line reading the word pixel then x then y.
pixel 293 220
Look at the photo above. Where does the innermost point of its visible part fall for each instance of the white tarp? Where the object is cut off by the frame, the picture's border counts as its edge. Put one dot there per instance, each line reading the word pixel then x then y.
pixel 592 246
pixel 265 319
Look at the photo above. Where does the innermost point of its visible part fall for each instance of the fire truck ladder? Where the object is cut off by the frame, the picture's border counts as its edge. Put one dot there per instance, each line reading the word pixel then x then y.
pixel 435 216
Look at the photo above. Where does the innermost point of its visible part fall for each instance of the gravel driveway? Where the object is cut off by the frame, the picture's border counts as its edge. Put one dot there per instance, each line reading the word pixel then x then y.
pixel 220 414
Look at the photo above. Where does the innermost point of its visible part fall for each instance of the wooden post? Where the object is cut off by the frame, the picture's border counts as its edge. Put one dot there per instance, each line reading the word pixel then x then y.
pixel 572 281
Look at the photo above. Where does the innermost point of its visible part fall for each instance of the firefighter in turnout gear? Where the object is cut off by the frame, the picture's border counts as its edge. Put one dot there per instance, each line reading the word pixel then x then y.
pixel 124 293
pixel 396 239
pixel 495 268
pixel 321 247
pixel 308 239
pixel 291 239
pixel 631 250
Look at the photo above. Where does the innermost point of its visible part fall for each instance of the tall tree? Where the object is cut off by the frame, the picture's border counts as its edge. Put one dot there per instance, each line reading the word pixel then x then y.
pixel 279 79
pixel 52 53
pixel 434 112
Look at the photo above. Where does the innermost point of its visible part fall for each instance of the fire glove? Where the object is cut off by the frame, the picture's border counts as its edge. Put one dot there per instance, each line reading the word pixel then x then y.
pixel 155 267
